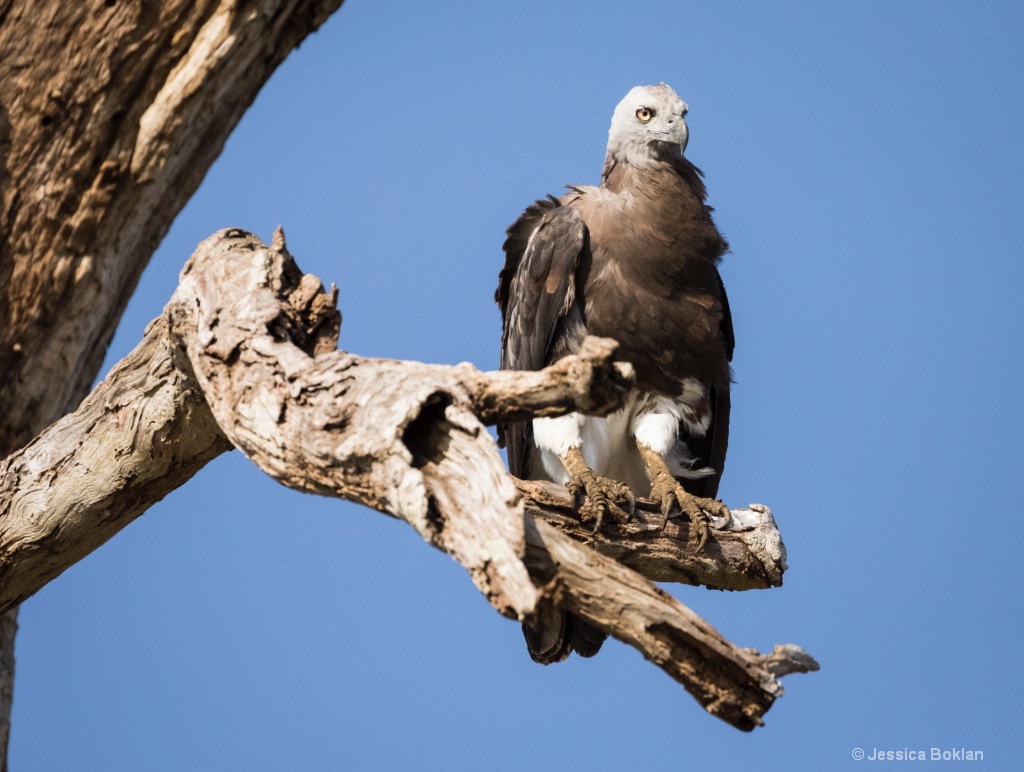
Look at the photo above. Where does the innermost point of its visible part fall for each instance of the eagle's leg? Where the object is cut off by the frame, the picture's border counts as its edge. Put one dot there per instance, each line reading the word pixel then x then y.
pixel 601 492
pixel 666 490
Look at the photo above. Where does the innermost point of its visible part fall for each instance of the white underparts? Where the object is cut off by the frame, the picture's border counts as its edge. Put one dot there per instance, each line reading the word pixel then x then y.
pixel 608 444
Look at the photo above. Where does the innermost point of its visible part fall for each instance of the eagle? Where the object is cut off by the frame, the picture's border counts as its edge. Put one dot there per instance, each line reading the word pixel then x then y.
pixel 634 259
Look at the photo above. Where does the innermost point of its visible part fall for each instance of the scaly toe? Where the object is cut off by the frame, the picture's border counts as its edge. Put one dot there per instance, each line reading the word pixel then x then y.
pixel 600 493
pixel 699 526
pixel 670 493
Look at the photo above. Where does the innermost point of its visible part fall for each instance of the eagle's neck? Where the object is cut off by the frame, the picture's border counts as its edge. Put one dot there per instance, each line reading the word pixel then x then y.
pixel 665 167
pixel 668 199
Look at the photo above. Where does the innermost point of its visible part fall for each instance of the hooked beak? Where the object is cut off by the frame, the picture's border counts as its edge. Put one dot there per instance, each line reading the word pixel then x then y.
pixel 680 133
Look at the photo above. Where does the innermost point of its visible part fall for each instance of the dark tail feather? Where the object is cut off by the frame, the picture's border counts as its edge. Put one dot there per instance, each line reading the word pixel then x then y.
pixel 545 635
pixel 586 639
pixel 554 634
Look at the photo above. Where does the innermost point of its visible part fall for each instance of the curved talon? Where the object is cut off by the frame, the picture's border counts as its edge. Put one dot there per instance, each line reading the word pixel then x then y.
pixel 631 500
pixel 717 509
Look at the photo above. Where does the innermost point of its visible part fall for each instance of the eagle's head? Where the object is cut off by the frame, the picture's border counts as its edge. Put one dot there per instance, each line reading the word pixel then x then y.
pixel 649 122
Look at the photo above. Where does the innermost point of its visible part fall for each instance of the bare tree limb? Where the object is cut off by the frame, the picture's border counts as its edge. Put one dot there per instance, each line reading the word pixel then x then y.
pixel 748 555
pixel 139 435
pixel 256 337
pixel 591 382
pixel 395 436
pixel 730 683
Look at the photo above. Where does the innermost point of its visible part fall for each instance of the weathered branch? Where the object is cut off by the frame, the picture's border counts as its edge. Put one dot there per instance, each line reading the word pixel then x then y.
pixel 257 338
pixel 748 555
pixel 592 382
pixel 728 682
pixel 395 436
pixel 140 434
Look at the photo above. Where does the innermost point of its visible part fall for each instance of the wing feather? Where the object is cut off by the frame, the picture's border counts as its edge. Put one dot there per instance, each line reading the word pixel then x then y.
pixel 710 449
pixel 536 291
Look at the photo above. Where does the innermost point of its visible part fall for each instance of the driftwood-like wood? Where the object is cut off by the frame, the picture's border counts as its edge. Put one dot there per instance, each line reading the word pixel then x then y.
pixel 141 433
pixel 256 337
pixel 395 436
pixel 592 383
pixel 731 683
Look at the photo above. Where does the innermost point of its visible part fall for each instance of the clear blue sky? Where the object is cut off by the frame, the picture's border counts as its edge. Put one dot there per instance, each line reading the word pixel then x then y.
pixel 865 162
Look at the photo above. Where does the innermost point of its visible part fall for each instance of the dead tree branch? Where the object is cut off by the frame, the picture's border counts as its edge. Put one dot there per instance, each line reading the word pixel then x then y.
pixel 748 555
pixel 140 434
pixel 728 682
pixel 256 338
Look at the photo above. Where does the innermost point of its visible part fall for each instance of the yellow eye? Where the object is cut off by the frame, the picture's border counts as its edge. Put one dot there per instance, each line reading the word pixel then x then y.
pixel 644 114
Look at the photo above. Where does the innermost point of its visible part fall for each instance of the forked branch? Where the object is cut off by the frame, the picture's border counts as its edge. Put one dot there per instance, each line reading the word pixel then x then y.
pixel 245 355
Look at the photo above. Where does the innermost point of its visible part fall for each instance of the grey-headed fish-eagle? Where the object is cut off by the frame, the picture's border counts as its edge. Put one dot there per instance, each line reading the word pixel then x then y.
pixel 634 259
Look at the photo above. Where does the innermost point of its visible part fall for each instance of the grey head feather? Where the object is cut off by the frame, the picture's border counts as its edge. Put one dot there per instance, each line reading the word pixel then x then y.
pixel 649 122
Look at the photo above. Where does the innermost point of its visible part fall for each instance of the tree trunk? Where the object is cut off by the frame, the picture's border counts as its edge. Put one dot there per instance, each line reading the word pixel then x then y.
pixel 100 147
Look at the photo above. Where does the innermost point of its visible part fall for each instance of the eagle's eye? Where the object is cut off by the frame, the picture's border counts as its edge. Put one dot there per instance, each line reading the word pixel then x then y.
pixel 644 114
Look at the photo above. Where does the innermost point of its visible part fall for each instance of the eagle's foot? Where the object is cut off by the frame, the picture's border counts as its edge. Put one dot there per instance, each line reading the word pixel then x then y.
pixel 601 492
pixel 668 492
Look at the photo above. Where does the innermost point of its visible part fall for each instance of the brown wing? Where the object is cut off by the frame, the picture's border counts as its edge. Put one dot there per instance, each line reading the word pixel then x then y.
pixel 536 292
pixel 537 296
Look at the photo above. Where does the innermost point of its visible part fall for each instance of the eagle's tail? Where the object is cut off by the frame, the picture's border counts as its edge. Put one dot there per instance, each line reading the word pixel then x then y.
pixel 554 634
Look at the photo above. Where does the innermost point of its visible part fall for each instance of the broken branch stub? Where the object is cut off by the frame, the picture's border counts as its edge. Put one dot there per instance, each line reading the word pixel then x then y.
pixel 395 436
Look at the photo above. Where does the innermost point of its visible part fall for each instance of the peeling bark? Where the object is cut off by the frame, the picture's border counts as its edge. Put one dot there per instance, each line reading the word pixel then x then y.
pixel 256 339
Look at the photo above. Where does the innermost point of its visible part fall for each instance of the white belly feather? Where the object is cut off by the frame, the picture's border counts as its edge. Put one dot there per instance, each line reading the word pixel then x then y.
pixel 609 443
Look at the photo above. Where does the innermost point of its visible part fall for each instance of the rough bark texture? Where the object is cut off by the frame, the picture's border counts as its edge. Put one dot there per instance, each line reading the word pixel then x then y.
pixel 748 555
pixel 111 113
pixel 110 116
pixel 257 338
pixel 140 434
pixel 391 435
pixel 730 683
